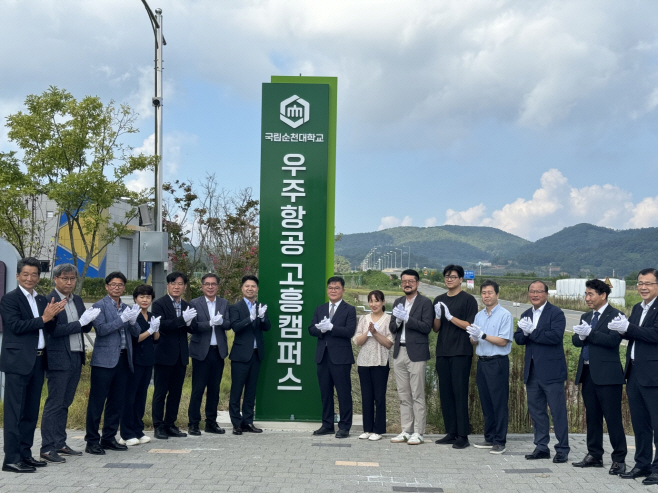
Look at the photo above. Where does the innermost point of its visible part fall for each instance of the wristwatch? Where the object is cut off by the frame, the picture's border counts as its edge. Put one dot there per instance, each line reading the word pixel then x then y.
pixel 484 336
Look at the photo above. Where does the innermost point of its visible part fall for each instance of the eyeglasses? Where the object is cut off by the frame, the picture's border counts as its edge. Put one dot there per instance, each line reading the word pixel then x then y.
pixel 69 279
pixel 536 292
pixel 451 278
pixel 641 284
pixel 408 282
pixel 334 288
pixel 116 285
pixel 177 283
pixel 210 284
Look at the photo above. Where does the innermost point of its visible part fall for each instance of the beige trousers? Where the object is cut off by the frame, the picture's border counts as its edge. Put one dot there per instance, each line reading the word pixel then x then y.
pixel 410 380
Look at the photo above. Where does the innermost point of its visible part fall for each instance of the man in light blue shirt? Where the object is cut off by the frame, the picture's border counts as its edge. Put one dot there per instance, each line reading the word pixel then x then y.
pixel 492 333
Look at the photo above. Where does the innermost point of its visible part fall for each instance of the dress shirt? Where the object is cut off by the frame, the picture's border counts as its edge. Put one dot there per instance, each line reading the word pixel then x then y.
pixel 645 310
pixel 249 305
pixel 407 306
pixel 122 329
pixel 536 314
pixel 597 314
pixel 75 340
pixel 498 323
pixel 177 305
pixel 211 312
pixel 35 312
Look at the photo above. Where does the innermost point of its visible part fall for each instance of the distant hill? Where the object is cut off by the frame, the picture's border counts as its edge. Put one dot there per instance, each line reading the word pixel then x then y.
pixel 579 249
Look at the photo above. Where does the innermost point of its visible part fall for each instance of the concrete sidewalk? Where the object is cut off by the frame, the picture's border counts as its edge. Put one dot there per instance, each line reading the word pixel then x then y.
pixel 296 461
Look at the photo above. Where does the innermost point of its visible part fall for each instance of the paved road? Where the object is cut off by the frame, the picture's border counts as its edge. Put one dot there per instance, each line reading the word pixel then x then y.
pixel 297 462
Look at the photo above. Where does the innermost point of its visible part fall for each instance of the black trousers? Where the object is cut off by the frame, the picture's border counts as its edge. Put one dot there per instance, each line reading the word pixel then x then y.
pixel 62 385
pixel 332 376
pixel 21 411
pixel 603 401
pixel 108 389
pixel 374 380
pixel 244 376
pixel 454 373
pixel 168 387
pixel 493 387
pixel 206 377
pixel 643 403
pixel 539 396
pixel 132 418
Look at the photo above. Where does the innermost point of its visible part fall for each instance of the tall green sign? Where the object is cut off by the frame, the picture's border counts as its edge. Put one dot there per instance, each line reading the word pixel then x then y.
pixel 296 250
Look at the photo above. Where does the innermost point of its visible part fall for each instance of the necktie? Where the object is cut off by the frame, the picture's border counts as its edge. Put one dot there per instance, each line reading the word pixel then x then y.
pixel 595 319
pixel 331 311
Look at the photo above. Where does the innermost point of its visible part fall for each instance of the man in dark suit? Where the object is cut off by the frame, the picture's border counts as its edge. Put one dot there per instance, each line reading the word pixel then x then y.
pixel 171 355
pixel 334 324
pixel 411 322
pixel 601 376
pixel 248 319
pixel 641 372
pixel 66 355
pixel 541 330
pixel 25 315
pixel 208 348
pixel 111 364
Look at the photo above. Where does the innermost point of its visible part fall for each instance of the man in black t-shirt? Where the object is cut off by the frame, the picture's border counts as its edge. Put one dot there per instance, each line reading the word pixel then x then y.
pixel 455 311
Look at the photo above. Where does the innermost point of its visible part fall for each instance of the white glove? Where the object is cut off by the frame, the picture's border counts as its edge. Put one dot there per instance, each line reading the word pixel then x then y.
pixel 325 325
pixel 446 312
pixel 261 311
pixel 89 316
pixel 583 329
pixel 189 314
pixel 526 325
pixel 154 325
pixel 619 323
pixel 400 313
pixel 130 314
pixel 217 319
pixel 475 332
pixel 437 310
pixel 252 313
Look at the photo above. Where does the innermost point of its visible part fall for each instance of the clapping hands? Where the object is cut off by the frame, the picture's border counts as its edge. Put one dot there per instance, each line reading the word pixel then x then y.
pixel 89 316
pixel 583 330
pixel 325 325
pixel 189 314
pixel 475 332
pixel 154 325
pixel 217 319
pixel 400 313
pixel 526 325
pixel 619 323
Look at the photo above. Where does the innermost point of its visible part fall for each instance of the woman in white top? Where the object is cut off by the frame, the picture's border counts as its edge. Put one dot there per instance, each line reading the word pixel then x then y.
pixel 375 340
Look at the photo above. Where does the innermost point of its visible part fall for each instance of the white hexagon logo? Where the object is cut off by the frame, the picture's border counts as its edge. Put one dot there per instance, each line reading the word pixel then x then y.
pixel 295 111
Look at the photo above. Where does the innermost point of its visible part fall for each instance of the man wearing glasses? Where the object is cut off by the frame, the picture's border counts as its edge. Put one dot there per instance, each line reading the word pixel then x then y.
pixel 411 322
pixel 208 348
pixel 454 312
pixel 171 355
pixel 641 372
pixel 66 355
pixel 541 330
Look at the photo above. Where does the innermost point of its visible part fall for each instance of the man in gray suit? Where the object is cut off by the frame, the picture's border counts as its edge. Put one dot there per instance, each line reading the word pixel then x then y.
pixel 66 355
pixel 111 363
pixel 208 348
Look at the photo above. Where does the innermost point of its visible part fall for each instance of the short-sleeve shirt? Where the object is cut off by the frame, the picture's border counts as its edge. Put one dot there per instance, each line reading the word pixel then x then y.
pixel 452 340
pixel 499 324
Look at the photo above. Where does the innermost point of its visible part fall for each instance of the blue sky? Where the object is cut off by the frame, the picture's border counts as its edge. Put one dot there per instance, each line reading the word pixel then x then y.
pixel 526 116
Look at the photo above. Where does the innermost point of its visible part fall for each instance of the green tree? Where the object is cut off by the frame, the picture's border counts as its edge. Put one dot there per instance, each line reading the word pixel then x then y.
pixel 73 150
pixel 341 264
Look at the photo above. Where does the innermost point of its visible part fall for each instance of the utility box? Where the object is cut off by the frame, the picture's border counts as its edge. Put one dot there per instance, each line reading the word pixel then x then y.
pixel 153 246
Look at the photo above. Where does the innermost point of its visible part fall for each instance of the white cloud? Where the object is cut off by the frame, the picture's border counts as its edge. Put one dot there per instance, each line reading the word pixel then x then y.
pixel 645 213
pixel 470 216
pixel 430 221
pixel 393 222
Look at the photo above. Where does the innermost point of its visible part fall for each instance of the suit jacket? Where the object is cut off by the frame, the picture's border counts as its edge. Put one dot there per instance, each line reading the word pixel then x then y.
pixel 544 348
pixel 604 363
pixel 58 342
pixel 645 340
pixel 200 341
pixel 172 344
pixel 246 331
pixel 338 341
pixel 107 348
pixel 417 329
pixel 20 336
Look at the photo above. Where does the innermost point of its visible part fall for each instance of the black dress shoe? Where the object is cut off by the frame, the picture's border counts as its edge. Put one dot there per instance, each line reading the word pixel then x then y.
pixel 113 445
pixel 250 428
pixel 636 473
pixel 237 431
pixel 342 434
pixel 449 439
pixel 94 449
pixel 617 468
pixel 66 450
pixel 18 467
pixel 461 442
pixel 194 430
pixel 172 431
pixel 31 461
pixel 588 461
pixel 538 454
pixel 651 479
pixel 52 456
pixel 213 427
pixel 560 458
pixel 160 433
pixel 323 431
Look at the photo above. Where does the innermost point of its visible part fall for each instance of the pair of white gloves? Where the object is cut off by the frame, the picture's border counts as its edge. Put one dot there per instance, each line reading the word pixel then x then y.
pixel 619 324
pixel 188 315
pixel 154 325
pixel 446 312
pixel 475 332
pixel 526 325
pixel 583 329
pixel 260 313
pixel 400 313
pixel 325 325
pixel 89 316
pixel 130 314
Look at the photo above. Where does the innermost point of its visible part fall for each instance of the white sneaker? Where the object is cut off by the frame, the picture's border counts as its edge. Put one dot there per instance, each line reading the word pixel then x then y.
pixel 364 436
pixel 415 439
pixel 374 437
pixel 401 438
pixel 132 441
pixel 145 439
pixel 121 441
